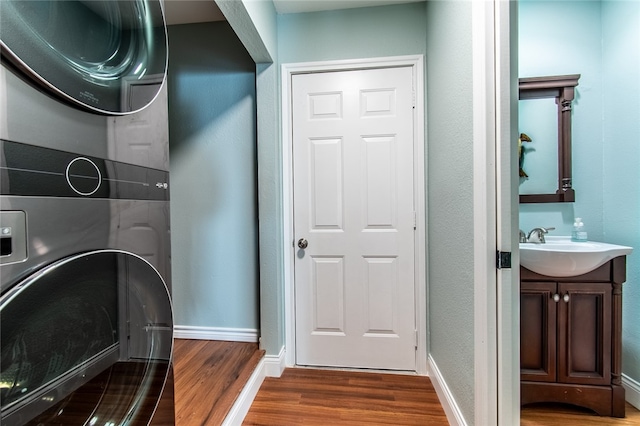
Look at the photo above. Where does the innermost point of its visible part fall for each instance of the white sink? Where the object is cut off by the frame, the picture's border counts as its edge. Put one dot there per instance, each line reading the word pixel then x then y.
pixel 561 257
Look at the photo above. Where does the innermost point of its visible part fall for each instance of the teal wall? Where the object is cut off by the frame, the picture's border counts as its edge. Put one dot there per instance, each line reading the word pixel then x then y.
pixel 272 326
pixel 450 197
pixel 255 23
pixel 212 122
pixel 621 158
pixel 599 40
pixel 352 33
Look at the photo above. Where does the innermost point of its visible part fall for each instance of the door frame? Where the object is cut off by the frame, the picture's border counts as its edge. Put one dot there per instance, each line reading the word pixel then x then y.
pixel 496 209
pixel 416 62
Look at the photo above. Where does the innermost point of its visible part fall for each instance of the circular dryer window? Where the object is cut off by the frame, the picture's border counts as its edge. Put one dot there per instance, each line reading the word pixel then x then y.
pixel 86 340
pixel 105 56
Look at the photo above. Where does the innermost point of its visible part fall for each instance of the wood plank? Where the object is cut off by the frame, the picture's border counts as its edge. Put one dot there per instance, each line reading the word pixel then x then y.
pixel 209 376
pixel 320 397
pixel 566 415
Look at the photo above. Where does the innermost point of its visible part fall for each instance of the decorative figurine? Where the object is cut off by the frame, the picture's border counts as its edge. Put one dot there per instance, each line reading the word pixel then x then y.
pixel 523 138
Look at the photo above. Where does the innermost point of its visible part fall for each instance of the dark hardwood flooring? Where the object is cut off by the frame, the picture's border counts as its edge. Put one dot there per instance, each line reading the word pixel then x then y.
pixel 209 376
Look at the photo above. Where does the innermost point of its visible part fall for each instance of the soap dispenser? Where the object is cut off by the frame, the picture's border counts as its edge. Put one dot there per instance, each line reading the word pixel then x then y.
pixel 579 233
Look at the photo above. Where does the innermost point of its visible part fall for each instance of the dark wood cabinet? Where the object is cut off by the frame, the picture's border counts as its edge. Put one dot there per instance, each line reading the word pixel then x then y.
pixel 538 325
pixel 570 338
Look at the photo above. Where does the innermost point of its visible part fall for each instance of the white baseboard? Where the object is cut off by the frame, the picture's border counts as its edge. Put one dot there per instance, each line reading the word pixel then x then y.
pixel 269 366
pixel 275 364
pixel 632 391
pixel 451 409
pixel 243 403
pixel 215 333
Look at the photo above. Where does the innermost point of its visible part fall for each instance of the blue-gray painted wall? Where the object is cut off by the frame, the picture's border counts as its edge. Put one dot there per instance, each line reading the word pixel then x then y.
pixel 212 122
pixel 450 198
pixel 352 33
pixel 601 41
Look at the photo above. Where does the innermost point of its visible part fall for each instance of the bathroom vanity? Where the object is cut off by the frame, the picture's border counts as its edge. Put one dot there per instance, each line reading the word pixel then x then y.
pixel 570 338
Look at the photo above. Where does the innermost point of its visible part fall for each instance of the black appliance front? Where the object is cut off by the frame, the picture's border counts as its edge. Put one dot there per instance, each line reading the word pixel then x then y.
pixel 86 340
pixel 86 319
pixel 85 310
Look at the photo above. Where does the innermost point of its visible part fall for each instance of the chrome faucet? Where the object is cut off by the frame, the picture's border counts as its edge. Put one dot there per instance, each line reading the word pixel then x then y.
pixel 523 236
pixel 536 235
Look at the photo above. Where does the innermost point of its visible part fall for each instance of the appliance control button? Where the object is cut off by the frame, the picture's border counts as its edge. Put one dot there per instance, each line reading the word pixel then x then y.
pixel 83 176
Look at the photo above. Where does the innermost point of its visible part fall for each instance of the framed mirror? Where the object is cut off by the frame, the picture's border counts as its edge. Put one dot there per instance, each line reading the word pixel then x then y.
pixel 545 119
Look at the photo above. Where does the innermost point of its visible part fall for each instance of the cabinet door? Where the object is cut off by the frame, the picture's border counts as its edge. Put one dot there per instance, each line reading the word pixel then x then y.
pixel 538 331
pixel 584 333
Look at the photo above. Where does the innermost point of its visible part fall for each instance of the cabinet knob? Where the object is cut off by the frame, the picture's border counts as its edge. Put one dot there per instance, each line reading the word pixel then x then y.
pixel 566 298
pixel 556 297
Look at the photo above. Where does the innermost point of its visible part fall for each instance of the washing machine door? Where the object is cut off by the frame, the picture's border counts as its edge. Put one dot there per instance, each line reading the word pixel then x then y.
pixel 86 340
pixel 105 56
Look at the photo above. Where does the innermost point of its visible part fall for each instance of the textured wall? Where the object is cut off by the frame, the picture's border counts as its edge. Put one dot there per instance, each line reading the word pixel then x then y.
pixel 352 33
pixel 621 157
pixel 255 24
pixel 212 125
pixel 450 197
pixel 270 206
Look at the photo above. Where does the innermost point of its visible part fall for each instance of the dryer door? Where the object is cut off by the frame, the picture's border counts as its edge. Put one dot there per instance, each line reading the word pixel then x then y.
pixel 86 340
pixel 105 56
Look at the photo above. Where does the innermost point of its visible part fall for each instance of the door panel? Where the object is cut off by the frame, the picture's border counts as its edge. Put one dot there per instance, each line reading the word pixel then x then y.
pixel 380 182
pixel 328 295
pixel 326 183
pixel 585 333
pixel 353 203
pixel 538 331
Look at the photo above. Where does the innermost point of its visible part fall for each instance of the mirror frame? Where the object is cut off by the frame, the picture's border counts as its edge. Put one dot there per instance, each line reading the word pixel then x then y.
pixel 562 88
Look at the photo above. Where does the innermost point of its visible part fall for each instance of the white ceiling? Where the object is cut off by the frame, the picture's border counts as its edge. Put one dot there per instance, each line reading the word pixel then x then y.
pixel 193 11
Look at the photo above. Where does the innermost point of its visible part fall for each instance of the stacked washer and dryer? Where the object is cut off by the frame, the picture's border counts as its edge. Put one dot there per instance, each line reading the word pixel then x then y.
pixel 86 322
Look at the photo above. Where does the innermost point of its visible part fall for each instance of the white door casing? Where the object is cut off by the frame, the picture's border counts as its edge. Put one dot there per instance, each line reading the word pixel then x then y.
pixel 507 211
pixel 354 206
pixel 497 300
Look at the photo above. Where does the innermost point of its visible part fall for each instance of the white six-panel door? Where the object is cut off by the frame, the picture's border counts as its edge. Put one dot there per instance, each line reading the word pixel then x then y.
pixel 354 209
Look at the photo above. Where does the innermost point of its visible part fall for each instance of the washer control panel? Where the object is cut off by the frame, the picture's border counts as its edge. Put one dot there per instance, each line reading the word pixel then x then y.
pixel 35 171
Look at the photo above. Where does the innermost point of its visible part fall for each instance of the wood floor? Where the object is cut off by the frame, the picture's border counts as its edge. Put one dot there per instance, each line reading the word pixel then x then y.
pixel 322 397
pixel 564 415
pixel 210 375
